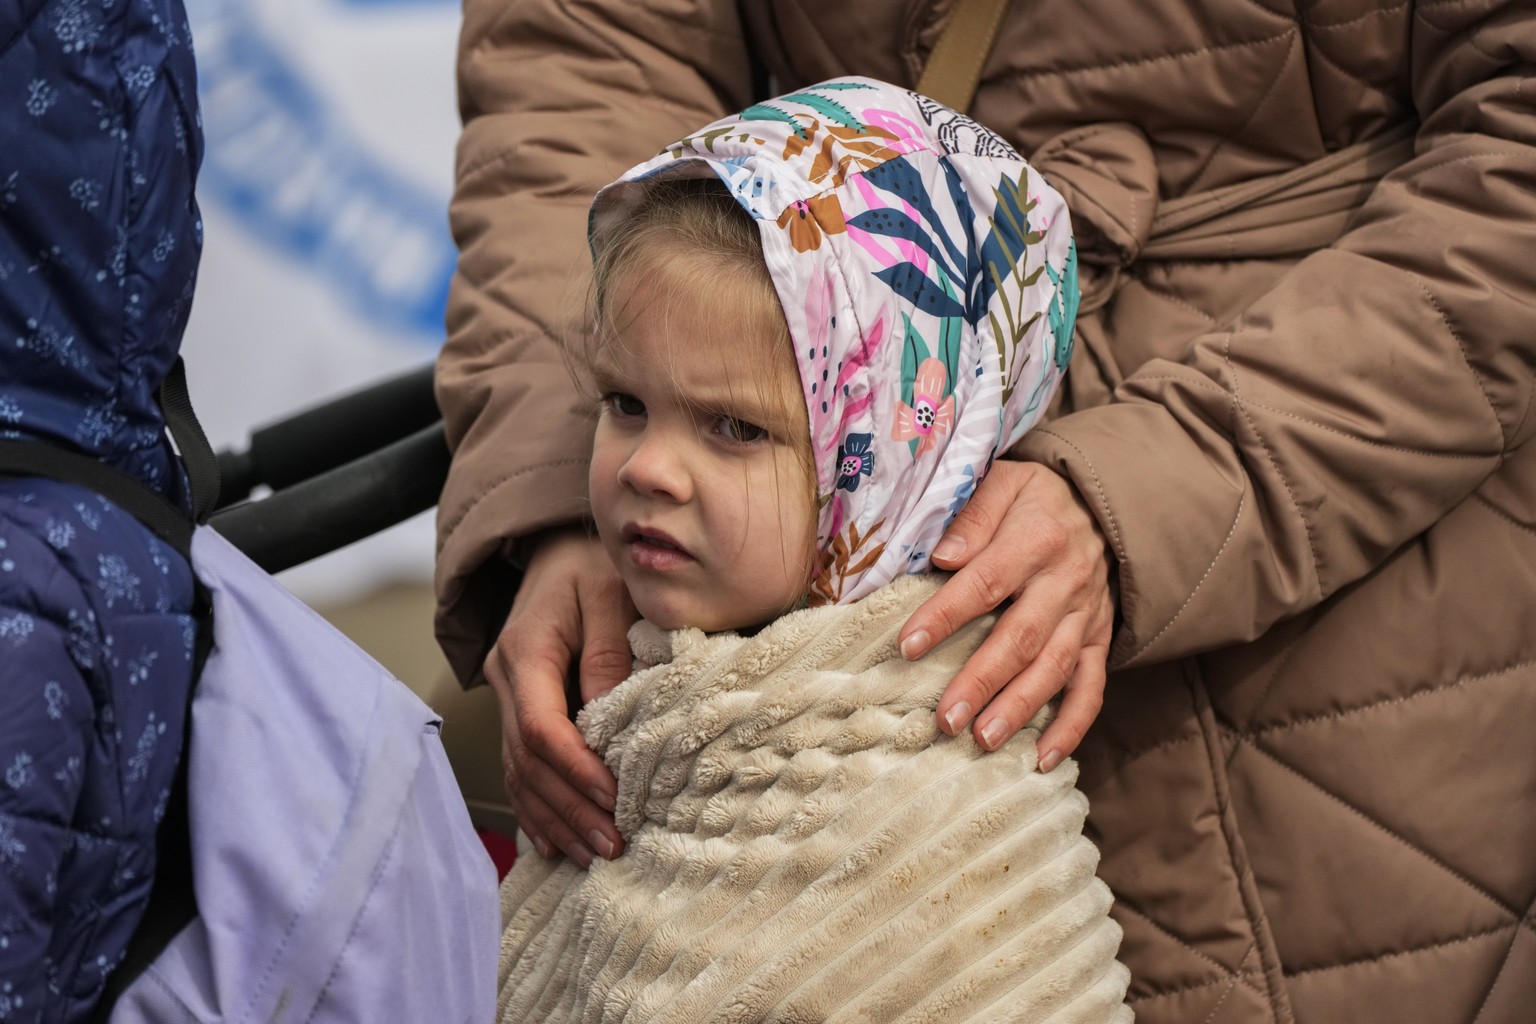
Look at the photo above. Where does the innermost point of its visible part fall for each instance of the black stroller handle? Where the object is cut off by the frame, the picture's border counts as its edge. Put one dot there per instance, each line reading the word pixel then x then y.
pixel 343 505
pixel 323 437
pixel 339 472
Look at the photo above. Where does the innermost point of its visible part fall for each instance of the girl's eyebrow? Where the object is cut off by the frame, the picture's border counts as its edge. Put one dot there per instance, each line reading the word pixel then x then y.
pixel 742 402
pixel 739 404
pixel 605 376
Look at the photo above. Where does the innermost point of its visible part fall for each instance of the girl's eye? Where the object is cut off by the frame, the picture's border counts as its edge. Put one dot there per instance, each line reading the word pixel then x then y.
pixel 624 405
pixel 740 431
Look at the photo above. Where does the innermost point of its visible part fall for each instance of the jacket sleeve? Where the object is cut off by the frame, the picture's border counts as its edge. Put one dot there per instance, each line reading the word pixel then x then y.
pixel 47 710
pixel 1373 389
pixel 558 98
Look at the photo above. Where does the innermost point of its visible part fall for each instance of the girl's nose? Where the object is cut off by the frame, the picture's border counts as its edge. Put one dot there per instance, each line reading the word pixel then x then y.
pixel 656 467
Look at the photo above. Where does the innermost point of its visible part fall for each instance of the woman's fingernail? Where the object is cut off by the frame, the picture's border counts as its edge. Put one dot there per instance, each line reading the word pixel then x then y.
pixel 601 843
pixel 542 845
pixel 602 798
pixel 1050 759
pixel 992 733
pixel 949 549
pixel 915 645
pixel 580 854
pixel 957 716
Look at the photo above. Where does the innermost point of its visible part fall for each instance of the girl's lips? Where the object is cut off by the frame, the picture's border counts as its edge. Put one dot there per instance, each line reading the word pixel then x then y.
pixel 653 549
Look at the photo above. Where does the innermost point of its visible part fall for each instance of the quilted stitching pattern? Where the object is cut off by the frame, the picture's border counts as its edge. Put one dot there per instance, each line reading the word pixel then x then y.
pixel 1442 895
pixel 1375 895
pixel 1385 895
pixel 1328 59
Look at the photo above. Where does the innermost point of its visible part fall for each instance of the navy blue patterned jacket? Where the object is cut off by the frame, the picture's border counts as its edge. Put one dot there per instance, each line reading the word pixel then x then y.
pixel 99 231
pixel 99 243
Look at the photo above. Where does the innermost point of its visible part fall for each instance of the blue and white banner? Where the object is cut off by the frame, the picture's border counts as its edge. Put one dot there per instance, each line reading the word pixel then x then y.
pixel 330 129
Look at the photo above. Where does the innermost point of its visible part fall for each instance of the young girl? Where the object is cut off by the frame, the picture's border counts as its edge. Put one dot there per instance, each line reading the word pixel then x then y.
pixel 817 325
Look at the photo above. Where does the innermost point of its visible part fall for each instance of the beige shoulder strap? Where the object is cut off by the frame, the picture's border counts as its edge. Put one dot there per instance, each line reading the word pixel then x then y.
pixel 954 66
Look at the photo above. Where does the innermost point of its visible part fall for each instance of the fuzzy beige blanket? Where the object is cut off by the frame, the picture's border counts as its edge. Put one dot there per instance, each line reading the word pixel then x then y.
pixel 805 845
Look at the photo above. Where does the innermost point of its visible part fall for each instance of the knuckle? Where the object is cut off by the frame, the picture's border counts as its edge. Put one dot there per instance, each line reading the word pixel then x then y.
pixel 972 688
pixel 977 517
pixel 1079 571
pixel 515 764
pixel 537 813
pixel 988 685
pixel 1051 537
pixel 537 738
pixel 514 786
pixel 605 659
pixel 511 731
pixel 1007 476
pixel 946 617
pixel 1017 705
pixel 513 647
pixel 496 661
pixel 569 809
pixel 519 806
pixel 1059 663
pixel 1068 736
pixel 516 627
pixel 989 584
pixel 1022 642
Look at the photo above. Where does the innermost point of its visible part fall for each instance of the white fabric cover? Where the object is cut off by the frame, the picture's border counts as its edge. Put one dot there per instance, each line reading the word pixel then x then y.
pixel 805 845
pixel 338 877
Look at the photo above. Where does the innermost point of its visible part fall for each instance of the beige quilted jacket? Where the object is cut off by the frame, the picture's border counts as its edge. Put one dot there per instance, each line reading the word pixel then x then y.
pixel 1300 405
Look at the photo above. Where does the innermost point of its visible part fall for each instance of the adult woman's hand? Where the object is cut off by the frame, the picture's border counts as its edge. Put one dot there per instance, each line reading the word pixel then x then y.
pixel 1025 537
pixel 571 604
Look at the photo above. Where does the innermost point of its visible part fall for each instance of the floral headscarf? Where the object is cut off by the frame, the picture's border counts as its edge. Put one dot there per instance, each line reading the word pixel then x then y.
pixel 929 279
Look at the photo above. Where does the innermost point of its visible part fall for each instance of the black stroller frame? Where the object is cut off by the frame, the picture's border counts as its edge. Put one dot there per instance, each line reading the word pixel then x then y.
pixel 339 471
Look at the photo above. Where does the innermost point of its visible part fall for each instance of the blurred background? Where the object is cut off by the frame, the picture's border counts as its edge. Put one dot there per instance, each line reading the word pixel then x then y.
pixel 330 128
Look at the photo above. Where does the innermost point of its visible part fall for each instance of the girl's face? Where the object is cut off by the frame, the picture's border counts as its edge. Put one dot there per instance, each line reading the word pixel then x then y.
pixel 699 496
